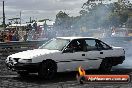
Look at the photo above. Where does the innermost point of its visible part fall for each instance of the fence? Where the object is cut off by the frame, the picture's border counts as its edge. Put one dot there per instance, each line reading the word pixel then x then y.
pixel 8 48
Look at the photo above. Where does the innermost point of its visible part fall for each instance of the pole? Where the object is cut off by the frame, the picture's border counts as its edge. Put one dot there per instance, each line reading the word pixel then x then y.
pixel 30 20
pixel 3 15
pixel 20 28
pixel 20 18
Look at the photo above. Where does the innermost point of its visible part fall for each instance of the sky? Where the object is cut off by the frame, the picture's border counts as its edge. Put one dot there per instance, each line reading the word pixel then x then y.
pixel 40 9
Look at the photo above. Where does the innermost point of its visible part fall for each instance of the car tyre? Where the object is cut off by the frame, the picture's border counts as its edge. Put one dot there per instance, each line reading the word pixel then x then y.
pixel 23 73
pixel 105 66
pixel 81 80
pixel 47 69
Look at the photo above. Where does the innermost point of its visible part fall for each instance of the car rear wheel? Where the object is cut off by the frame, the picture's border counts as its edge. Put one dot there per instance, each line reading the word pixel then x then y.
pixel 105 66
pixel 47 69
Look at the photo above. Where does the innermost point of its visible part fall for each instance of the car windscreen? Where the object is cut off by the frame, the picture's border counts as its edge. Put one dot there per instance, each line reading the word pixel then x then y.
pixel 55 44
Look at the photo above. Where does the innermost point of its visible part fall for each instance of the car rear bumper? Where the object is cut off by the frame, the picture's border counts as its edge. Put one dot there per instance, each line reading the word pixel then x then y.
pixel 118 60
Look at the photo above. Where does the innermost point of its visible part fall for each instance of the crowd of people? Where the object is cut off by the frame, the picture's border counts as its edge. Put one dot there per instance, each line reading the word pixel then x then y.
pixel 21 35
pixel 7 36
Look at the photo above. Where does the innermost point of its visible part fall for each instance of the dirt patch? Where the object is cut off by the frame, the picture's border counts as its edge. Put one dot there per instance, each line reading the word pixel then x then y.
pixel 9 79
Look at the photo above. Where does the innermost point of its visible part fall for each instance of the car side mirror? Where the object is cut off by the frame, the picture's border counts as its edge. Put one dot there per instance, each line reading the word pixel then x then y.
pixel 70 50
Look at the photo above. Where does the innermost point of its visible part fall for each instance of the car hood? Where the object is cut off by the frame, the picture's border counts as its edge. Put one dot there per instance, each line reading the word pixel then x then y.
pixel 32 53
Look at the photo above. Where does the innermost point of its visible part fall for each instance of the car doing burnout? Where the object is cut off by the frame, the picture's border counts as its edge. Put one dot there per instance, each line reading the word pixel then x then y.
pixel 66 54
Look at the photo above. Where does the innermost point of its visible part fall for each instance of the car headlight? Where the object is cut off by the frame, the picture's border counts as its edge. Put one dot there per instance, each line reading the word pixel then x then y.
pixel 25 60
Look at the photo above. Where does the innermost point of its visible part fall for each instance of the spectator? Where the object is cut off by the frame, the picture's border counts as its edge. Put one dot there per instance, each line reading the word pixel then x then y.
pixel 25 37
pixel 5 36
pixel 35 26
pixel 10 36
pixel 1 37
pixel 15 37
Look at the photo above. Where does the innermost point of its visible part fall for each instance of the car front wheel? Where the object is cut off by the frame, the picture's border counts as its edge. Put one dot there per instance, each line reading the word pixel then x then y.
pixel 47 69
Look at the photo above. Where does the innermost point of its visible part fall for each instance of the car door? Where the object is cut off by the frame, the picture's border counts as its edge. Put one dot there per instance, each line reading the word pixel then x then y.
pixel 106 50
pixel 72 59
pixel 93 55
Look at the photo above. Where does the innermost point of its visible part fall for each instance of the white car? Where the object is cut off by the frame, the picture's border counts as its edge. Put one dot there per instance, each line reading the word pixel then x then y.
pixel 66 54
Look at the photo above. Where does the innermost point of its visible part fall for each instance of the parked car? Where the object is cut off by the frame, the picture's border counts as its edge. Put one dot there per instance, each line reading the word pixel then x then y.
pixel 66 54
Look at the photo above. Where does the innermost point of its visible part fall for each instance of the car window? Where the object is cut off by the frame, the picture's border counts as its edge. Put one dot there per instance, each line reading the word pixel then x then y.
pixel 91 44
pixel 102 46
pixel 78 45
pixel 55 44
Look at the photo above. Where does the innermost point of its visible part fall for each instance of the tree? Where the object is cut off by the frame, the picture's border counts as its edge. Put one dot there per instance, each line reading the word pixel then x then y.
pixel 96 15
pixel 63 21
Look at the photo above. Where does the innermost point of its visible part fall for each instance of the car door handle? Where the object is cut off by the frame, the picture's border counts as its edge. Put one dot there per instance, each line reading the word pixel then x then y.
pixel 83 54
pixel 101 52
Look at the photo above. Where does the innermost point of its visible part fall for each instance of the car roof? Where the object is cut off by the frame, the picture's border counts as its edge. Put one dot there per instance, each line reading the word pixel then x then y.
pixel 72 38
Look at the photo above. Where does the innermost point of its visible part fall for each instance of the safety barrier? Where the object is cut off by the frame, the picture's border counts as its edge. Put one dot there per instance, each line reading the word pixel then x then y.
pixel 8 48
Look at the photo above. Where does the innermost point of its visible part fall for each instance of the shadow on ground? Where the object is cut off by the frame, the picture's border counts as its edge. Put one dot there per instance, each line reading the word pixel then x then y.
pixel 67 76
